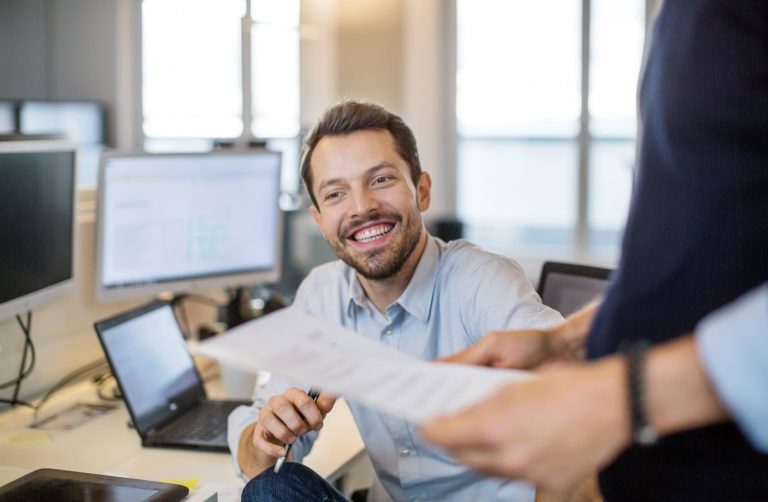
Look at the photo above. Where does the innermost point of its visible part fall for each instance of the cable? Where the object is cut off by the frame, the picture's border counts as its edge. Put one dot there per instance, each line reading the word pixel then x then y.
pixel 84 370
pixel 17 403
pixel 28 347
pixel 101 383
pixel 25 371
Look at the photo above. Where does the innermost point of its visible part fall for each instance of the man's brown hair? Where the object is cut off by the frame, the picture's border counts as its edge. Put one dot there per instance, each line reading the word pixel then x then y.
pixel 350 116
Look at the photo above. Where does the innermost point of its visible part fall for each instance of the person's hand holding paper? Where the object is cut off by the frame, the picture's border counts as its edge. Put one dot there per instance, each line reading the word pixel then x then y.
pixel 315 351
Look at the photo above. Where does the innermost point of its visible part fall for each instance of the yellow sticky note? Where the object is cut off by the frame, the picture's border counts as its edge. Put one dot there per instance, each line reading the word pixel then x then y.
pixel 28 437
pixel 190 483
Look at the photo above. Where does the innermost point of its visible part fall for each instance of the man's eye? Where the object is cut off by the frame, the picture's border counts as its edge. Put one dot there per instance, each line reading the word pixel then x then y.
pixel 332 195
pixel 381 179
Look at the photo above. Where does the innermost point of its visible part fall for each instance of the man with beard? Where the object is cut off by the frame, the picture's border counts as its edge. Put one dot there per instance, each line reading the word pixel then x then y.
pixel 396 284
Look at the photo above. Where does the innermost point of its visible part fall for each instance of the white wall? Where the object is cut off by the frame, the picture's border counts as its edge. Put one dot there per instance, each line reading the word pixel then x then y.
pixel 428 83
pixel 396 53
pixel 319 58
pixel 370 57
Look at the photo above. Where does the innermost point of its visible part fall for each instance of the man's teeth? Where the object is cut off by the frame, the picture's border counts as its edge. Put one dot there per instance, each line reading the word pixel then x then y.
pixel 372 233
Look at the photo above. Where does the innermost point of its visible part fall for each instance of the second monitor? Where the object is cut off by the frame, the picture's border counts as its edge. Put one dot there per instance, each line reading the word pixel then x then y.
pixel 180 222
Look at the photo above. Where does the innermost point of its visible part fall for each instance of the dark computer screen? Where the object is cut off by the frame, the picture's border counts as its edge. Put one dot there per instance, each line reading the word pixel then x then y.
pixel 79 122
pixel 37 224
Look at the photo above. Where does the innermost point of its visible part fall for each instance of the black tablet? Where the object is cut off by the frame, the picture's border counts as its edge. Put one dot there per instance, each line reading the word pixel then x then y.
pixel 44 485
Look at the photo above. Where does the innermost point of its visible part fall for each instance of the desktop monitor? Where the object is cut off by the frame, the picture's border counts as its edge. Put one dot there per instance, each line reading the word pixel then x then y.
pixel 37 224
pixel 180 222
pixel 81 122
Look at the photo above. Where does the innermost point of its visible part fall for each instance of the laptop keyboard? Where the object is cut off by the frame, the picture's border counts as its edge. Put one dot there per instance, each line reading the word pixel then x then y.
pixel 205 423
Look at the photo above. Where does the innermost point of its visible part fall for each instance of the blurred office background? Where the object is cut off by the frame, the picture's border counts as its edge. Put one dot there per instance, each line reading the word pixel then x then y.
pixel 524 111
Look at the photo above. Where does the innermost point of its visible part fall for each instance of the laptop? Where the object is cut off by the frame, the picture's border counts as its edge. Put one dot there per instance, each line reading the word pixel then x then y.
pixel 159 382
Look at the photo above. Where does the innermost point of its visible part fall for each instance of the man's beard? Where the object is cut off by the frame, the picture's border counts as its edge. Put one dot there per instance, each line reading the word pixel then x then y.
pixel 384 262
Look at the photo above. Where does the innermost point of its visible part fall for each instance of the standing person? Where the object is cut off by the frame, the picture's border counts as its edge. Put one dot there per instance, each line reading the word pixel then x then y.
pixel 696 239
pixel 396 284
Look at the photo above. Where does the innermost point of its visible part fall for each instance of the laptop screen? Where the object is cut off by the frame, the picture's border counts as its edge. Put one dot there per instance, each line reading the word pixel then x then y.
pixel 147 353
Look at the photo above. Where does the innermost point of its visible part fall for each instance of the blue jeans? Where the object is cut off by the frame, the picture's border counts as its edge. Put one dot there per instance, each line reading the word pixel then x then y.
pixel 294 482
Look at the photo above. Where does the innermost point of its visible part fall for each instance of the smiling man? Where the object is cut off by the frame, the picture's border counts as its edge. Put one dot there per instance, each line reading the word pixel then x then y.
pixel 396 284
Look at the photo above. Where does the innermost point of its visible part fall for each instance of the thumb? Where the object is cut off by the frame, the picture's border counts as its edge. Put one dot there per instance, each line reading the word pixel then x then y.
pixel 325 402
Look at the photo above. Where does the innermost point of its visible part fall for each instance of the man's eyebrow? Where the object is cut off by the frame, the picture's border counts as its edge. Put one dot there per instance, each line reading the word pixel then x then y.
pixel 378 167
pixel 330 182
pixel 340 181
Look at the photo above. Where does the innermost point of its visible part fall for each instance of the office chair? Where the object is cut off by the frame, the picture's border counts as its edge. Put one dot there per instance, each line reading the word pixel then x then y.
pixel 566 287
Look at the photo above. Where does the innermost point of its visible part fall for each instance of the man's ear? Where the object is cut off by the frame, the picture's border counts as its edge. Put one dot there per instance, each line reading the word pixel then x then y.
pixel 423 191
pixel 315 214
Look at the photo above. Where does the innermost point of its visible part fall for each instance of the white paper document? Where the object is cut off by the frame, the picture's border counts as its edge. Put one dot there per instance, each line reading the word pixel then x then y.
pixel 317 352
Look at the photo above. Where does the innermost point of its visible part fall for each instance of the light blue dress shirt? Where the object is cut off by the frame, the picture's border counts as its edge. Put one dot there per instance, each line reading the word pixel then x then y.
pixel 733 345
pixel 457 294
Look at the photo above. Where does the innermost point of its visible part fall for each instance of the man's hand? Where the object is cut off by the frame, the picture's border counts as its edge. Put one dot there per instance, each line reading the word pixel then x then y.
pixel 552 431
pixel 281 421
pixel 524 349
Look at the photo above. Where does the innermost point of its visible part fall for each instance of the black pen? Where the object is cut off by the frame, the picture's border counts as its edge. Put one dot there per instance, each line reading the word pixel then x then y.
pixel 313 393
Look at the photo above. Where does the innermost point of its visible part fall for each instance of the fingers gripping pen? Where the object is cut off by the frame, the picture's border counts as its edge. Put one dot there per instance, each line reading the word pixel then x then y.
pixel 313 393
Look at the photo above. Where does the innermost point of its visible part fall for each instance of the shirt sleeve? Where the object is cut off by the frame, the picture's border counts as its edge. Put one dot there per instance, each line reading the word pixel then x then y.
pixel 502 297
pixel 242 416
pixel 733 346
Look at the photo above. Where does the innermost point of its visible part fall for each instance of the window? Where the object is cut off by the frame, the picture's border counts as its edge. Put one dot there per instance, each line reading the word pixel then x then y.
pixel 275 68
pixel 194 61
pixel 191 69
pixel 523 128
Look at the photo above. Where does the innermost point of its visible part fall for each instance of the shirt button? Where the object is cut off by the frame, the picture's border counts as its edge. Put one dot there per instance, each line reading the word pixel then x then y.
pixel 388 332
pixel 404 452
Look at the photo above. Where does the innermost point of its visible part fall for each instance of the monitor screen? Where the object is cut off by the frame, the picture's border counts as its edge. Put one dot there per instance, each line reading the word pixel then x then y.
pixel 80 122
pixel 179 222
pixel 37 228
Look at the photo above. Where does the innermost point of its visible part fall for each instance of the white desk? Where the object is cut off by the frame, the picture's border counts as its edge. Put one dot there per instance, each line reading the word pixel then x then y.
pixel 106 445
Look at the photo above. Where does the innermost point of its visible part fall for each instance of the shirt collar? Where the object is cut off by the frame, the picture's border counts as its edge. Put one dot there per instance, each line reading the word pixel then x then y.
pixel 417 297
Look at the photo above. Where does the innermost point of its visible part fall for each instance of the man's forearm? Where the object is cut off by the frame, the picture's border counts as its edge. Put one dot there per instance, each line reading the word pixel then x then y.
pixel 679 393
pixel 252 460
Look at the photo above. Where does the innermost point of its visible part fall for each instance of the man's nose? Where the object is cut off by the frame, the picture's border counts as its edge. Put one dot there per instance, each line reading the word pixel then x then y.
pixel 363 202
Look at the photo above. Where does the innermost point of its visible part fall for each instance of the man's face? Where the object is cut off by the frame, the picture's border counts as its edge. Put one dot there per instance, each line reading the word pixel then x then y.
pixel 370 212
